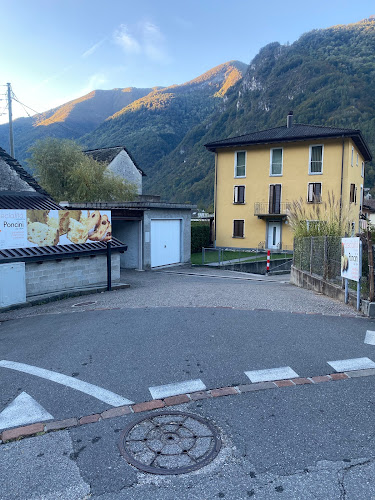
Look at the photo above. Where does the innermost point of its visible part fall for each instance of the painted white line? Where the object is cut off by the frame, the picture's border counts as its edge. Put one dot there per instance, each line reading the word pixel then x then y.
pixel 346 365
pixel 370 337
pixel 164 391
pixel 281 373
pixel 23 410
pixel 92 390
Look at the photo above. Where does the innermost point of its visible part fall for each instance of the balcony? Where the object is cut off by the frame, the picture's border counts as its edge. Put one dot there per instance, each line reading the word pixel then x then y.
pixel 265 209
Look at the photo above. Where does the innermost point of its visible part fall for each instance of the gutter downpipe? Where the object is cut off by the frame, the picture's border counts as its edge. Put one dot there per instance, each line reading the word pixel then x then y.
pixel 342 174
pixel 215 199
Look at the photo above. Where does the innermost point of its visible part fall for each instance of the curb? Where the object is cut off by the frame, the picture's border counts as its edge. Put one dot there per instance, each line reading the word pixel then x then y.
pixel 40 428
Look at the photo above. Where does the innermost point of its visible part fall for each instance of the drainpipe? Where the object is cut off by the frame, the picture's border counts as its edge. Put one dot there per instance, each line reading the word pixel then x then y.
pixel 215 199
pixel 342 174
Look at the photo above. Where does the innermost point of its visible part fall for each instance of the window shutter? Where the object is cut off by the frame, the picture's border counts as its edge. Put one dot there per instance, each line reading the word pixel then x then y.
pixel 271 199
pixel 318 192
pixel 310 194
pixel 277 198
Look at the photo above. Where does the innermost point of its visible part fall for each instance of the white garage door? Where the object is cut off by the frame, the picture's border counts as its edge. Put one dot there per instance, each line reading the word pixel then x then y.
pixel 165 242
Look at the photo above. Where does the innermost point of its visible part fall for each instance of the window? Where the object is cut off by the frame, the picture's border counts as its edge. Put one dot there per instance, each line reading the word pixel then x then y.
pixel 353 228
pixel 276 161
pixel 274 199
pixel 361 198
pixel 357 160
pixel 352 160
pixel 363 169
pixel 238 228
pixel 314 192
pixel 316 160
pixel 353 193
pixel 239 194
pixel 240 164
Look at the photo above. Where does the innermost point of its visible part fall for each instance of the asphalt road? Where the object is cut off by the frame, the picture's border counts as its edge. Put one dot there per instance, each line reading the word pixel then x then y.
pixel 313 441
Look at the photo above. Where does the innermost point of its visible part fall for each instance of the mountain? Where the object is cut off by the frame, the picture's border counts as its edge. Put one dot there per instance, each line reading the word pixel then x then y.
pixel 71 120
pixel 327 77
pixel 153 126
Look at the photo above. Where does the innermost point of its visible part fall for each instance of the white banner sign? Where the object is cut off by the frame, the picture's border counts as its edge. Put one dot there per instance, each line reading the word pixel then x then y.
pixel 350 259
pixel 40 228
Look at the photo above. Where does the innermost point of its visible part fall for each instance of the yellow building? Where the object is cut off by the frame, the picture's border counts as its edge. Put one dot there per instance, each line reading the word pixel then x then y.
pixel 258 175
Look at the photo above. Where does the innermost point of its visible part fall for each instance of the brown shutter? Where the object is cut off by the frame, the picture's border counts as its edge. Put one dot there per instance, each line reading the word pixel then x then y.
pixel 271 199
pixel 277 194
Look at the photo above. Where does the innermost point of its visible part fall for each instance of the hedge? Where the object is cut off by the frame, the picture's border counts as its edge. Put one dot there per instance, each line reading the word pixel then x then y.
pixel 200 237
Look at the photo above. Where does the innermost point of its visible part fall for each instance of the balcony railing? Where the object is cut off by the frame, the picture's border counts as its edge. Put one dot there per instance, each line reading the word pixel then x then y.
pixel 266 208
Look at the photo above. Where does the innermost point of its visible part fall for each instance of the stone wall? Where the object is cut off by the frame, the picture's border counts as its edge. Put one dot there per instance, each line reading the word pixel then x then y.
pixel 124 167
pixel 56 276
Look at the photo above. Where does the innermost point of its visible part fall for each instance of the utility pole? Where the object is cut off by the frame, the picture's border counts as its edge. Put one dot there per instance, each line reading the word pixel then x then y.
pixel 11 143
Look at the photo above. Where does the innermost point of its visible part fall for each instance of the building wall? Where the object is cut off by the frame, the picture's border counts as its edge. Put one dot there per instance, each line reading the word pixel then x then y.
pixel 10 180
pixel 128 232
pixel 56 276
pixel 352 175
pixel 294 180
pixel 183 215
pixel 124 167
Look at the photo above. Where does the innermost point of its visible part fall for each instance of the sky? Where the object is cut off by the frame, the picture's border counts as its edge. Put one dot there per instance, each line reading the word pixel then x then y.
pixel 53 51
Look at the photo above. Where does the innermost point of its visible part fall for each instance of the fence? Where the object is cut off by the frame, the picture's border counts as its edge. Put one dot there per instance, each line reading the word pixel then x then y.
pixel 222 256
pixel 320 255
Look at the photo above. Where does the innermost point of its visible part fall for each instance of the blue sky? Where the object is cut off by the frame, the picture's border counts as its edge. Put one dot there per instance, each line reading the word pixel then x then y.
pixel 58 50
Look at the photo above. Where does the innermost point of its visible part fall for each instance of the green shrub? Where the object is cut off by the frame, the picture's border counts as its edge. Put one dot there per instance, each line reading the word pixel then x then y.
pixel 200 237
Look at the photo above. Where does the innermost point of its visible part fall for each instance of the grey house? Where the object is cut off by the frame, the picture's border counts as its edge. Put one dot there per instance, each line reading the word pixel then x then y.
pixel 120 162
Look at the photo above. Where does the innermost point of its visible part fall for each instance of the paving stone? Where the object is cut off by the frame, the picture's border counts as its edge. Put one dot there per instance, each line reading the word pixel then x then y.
pixel 361 373
pixel 148 405
pixel 223 391
pixel 322 378
pixel 338 376
pixel 301 381
pixel 89 419
pixel 176 400
pixel 27 430
pixel 195 396
pixel 284 383
pixel 61 424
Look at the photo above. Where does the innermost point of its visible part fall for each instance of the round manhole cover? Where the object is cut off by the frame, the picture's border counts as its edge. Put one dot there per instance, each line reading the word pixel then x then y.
pixel 81 304
pixel 170 443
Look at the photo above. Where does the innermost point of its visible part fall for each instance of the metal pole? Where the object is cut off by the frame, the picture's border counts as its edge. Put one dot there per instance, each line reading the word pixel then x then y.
pixel 11 143
pixel 203 255
pixel 346 291
pixel 370 267
pixel 360 277
pixel 109 267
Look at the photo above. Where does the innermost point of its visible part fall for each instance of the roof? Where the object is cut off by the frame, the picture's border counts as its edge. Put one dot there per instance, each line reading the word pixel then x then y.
pixel 369 204
pixel 26 200
pixel 296 132
pixel 21 172
pixel 106 155
pixel 39 254
pixel 140 205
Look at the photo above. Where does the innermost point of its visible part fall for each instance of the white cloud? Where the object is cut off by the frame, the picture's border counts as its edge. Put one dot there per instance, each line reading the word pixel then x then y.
pixel 127 41
pixel 92 49
pixel 148 41
pixel 95 81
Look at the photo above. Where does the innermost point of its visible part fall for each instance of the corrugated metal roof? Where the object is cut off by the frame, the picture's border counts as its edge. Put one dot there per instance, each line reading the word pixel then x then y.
pixel 27 201
pixel 36 254
pixel 297 132
pixel 106 155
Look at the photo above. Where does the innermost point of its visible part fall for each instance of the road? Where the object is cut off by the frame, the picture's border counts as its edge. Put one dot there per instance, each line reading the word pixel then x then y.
pixel 197 330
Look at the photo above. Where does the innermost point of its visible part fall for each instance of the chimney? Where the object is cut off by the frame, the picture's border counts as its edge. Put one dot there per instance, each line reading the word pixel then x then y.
pixel 289 119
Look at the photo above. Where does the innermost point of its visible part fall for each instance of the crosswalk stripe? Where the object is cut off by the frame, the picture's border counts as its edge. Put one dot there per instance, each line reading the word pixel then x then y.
pixel 188 386
pixel 284 372
pixel 347 365
pixel 370 337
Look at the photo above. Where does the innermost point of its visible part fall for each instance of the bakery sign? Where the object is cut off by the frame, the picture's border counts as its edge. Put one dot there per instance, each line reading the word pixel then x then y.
pixel 39 228
pixel 350 258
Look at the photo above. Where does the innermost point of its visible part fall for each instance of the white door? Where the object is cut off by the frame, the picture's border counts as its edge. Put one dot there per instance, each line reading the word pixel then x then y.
pixel 165 242
pixel 274 230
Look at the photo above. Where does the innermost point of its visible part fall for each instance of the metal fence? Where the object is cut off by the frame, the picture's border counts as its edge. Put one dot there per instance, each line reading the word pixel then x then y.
pixel 223 256
pixel 320 255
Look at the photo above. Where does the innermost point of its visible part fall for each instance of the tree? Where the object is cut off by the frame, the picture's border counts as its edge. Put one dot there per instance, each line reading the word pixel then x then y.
pixel 66 173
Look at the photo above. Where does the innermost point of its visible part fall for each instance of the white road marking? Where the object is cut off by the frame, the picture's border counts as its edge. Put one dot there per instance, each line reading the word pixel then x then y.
pixel 21 411
pixel 370 337
pixel 284 372
pixel 92 390
pixel 164 391
pixel 346 365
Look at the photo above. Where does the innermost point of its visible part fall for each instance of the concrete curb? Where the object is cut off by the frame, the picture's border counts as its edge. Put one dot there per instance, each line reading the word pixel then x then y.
pixel 39 428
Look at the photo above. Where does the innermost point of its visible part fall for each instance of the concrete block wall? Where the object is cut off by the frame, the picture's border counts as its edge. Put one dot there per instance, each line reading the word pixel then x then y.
pixel 57 276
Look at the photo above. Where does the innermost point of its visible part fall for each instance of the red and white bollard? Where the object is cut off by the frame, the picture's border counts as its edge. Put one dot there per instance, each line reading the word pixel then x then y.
pixel 268 260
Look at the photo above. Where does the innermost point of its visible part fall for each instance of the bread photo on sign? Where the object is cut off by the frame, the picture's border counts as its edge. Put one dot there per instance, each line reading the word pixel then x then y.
pixel 42 234
pixel 91 219
pixel 77 232
pixel 65 216
pixel 101 230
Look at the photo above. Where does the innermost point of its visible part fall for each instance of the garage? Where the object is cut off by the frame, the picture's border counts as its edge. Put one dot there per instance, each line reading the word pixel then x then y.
pixel 165 242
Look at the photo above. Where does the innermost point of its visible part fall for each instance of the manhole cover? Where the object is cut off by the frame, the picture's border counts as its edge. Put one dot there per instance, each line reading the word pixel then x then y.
pixel 170 443
pixel 81 304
